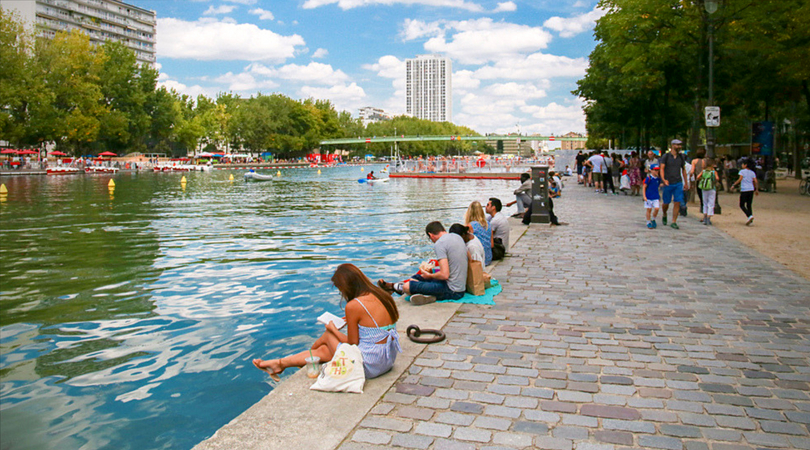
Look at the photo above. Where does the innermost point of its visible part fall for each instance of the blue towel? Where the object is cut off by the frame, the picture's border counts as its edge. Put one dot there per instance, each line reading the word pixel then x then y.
pixel 486 299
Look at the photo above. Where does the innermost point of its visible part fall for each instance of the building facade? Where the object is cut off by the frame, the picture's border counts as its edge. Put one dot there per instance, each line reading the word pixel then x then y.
pixel 370 114
pixel 572 145
pixel 102 20
pixel 429 89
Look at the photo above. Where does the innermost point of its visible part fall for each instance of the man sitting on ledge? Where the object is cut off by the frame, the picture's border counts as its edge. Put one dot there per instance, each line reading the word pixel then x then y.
pixel 449 283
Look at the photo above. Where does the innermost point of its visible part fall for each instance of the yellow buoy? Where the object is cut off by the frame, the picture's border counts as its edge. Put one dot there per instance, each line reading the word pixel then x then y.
pixel 319 171
pixel 3 189
pixel 111 184
pixel 278 173
pixel 230 178
pixel 183 180
pixel 361 169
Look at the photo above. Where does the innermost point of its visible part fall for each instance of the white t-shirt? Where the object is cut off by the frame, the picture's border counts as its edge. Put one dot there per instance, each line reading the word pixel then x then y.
pixel 476 249
pixel 500 228
pixel 688 168
pixel 747 183
pixel 597 161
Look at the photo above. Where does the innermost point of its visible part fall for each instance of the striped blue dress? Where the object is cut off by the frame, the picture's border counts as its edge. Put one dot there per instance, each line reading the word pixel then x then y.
pixel 377 358
pixel 485 236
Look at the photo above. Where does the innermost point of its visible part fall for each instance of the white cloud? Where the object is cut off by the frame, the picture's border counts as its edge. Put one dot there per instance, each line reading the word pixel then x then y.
pixel 574 25
pixel 212 40
pixel 349 4
pixel 506 7
pixel 191 91
pixel 262 13
pixel 221 9
pixel 482 40
pixel 580 4
pixel 534 66
pixel 313 72
pixel 464 81
pixel 320 53
pixel 244 82
pixel 243 2
pixel 388 66
pixel 347 97
pixel 415 29
pixel 556 118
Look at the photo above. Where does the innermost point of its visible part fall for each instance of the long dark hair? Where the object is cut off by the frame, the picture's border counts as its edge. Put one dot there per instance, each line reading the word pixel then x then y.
pixel 352 283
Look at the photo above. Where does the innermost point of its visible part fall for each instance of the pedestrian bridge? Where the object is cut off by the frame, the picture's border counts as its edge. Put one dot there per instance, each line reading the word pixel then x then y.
pixel 419 138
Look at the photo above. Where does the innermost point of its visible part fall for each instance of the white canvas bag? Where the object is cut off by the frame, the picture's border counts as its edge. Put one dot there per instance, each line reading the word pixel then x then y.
pixel 344 373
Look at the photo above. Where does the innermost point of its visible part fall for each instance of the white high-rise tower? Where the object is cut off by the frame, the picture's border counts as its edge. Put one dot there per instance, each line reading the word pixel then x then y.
pixel 429 90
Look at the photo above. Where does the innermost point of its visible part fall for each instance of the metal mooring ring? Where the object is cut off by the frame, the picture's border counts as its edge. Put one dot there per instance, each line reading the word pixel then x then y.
pixel 414 334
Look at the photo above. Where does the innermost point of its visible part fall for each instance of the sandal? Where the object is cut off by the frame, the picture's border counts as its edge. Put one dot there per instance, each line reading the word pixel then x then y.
pixel 387 287
pixel 273 375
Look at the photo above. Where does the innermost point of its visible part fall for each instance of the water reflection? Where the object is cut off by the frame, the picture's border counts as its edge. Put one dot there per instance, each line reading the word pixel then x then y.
pixel 123 318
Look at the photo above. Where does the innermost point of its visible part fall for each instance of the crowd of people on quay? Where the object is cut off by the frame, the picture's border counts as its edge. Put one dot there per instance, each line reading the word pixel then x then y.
pixel 670 180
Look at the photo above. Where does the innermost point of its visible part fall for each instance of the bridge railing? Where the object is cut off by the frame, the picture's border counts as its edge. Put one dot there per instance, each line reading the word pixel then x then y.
pixel 466 165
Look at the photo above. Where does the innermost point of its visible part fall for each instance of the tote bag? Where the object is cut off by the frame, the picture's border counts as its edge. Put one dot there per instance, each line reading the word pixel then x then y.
pixel 344 373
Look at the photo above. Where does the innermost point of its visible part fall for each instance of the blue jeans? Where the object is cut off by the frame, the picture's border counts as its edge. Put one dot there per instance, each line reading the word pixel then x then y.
pixel 436 288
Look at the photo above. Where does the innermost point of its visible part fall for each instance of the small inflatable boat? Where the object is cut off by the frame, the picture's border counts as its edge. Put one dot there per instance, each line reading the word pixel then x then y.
pixel 374 181
pixel 253 176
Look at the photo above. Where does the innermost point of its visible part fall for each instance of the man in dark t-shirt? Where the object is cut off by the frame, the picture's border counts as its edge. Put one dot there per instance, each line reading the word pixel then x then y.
pixel 673 177
pixel 580 161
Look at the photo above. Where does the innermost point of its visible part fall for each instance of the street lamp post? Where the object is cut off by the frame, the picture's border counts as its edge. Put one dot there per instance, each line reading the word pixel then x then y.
pixel 711 8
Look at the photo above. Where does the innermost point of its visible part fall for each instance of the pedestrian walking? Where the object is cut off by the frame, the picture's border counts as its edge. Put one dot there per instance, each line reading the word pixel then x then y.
pixel 707 181
pixel 749 187
pixel 675 179
pixel 652 198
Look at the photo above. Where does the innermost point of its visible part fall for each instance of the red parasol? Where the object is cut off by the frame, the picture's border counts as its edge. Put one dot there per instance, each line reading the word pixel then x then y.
pixel 107 154
pixel 28 152
pixel 9 151
pixel 57 153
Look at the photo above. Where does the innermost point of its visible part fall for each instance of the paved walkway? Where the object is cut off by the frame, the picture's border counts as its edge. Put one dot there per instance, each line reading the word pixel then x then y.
pixel 612 336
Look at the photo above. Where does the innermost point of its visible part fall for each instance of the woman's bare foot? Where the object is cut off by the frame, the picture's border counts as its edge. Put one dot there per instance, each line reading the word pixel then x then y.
pixel 271 366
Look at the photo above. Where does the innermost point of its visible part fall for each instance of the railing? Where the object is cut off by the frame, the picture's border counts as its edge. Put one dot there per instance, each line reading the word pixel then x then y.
pixel 467 165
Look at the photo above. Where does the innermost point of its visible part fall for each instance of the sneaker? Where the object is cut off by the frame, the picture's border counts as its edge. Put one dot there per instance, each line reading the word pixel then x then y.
pixel 664 220
pixel 709 221
pixel 419 299
pixel 649 225
pixel 675 226
pixel 750 219
pixel 655 225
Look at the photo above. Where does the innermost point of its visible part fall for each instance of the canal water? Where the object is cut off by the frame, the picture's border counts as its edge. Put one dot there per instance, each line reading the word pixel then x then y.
pixel 129 320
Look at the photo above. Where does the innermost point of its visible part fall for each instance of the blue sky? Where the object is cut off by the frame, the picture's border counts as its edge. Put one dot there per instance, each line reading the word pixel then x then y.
pixel 514 62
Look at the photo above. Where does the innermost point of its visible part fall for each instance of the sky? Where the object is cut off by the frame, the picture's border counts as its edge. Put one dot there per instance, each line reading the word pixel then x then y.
pixel 515 62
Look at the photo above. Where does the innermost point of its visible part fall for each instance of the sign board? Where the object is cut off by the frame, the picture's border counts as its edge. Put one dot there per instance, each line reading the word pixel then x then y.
pixel 762 138
pixel 712 114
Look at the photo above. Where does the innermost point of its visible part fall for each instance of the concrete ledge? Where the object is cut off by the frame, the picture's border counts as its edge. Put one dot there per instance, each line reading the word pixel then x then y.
pixel 293 416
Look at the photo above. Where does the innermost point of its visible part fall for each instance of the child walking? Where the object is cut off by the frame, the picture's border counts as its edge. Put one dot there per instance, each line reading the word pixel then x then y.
pixel 707 183
pixel 749 187
pixel 652 198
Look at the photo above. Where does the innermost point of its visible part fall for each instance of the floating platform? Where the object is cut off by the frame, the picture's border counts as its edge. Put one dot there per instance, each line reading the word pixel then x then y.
pixel 461 176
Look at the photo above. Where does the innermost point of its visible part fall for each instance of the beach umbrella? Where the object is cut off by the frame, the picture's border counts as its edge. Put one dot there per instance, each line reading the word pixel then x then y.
pixel 57 153
pixel 107 154
pixel 28 152
pixel 9 151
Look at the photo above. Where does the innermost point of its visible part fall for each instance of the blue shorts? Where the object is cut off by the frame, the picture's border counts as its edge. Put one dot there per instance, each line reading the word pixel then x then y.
pixel 673 192
pixel 436 288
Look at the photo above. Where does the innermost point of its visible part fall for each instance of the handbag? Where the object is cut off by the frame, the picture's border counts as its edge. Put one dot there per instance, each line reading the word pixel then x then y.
pixel 475 278
pixel 344 373
pixel 498 249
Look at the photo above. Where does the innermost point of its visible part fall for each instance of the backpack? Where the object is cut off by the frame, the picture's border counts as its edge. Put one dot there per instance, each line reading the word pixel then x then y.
pixel 707 180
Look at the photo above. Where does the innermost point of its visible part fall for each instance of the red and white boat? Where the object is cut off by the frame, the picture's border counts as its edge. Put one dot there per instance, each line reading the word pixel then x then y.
pixel 63 170
pixel 100 169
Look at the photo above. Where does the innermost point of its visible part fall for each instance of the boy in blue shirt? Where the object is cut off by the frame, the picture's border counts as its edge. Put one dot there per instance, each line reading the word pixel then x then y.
pixel 652 198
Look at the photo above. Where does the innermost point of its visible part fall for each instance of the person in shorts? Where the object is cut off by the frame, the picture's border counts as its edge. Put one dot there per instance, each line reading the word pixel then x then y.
pixel 652 198
pixel 449 283
pixel 675 179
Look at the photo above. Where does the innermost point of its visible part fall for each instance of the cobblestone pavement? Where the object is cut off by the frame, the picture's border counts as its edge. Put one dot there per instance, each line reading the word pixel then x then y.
pixel 611 336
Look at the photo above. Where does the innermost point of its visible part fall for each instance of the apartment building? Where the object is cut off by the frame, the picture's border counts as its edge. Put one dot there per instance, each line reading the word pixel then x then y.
pixel 429 89
pixel 370 114
pixel 102 20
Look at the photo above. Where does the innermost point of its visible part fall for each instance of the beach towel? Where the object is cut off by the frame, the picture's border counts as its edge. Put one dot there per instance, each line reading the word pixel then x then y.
pixel 486 299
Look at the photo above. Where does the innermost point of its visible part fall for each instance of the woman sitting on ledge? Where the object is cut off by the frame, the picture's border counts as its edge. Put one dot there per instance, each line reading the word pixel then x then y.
pixel 371 317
